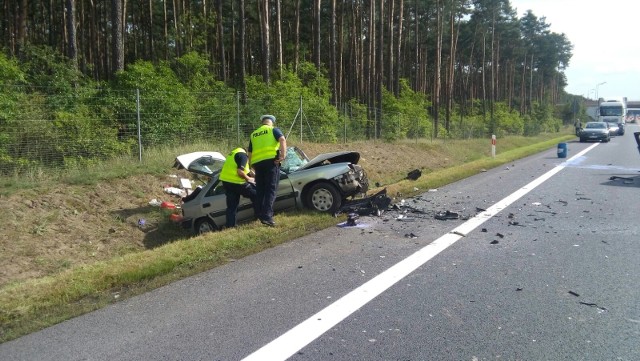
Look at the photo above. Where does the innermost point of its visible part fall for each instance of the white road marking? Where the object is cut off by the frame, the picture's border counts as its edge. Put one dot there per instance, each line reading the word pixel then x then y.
pixel 304 333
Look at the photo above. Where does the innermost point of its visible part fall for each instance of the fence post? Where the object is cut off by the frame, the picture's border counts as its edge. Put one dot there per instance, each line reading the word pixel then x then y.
pixel 238 115
pixel 139 131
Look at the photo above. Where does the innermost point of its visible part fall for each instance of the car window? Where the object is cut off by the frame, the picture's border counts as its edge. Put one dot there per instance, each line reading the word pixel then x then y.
pixel 596 125
pixel 207 165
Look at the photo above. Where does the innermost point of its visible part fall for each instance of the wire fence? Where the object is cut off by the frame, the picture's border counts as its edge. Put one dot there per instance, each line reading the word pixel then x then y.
pixel 49 128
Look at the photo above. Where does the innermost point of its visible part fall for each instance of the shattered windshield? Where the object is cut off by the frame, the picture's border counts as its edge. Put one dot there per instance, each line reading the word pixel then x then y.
pixel 294 160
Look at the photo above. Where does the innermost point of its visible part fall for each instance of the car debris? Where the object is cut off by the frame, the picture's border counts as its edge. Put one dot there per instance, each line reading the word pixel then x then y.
pixel 352 219
pixel 590 304
pixel 446 215
pixel 414 174
pixel 372 205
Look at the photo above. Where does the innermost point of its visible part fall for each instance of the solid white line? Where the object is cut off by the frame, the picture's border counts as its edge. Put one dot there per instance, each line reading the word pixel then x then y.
pixel 304 333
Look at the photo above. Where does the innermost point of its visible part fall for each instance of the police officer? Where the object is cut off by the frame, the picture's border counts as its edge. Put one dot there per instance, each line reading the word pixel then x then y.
pixel 267 149
pixel 236 180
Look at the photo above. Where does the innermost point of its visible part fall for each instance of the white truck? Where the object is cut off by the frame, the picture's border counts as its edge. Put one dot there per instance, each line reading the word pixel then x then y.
pixel 613 111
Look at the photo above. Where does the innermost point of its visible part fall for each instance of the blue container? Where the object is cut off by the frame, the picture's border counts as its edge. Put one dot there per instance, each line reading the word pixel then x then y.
pixel 562 150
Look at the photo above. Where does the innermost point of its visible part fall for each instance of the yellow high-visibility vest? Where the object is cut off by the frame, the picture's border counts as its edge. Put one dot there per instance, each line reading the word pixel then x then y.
pixel 229 172
pixel 264 145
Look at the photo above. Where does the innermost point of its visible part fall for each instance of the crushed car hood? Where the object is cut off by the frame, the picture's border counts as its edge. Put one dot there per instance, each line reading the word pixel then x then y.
pixel 335 157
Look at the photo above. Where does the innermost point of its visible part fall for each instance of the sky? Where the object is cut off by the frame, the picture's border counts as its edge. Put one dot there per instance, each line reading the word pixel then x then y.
pixel 606 43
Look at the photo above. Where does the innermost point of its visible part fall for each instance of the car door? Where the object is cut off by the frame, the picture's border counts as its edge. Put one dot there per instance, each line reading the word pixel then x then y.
pixel 285 196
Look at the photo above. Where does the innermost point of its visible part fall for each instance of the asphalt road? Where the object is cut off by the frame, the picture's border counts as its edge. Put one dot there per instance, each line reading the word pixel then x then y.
pixel 543 264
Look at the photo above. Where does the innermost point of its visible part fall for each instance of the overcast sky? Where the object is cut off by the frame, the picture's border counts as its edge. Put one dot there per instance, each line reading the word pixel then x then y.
pixel 606 43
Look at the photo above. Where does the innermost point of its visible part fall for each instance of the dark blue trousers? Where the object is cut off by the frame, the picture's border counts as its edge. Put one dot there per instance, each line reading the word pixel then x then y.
pixel 267 179
pixel 233 192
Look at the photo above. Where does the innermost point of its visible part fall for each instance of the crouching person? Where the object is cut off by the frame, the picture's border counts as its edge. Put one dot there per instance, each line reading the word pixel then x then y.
pixel 237 181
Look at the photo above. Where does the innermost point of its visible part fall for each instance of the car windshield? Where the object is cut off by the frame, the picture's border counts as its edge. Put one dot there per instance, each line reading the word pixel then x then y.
pixel 596 125
pixel 294 160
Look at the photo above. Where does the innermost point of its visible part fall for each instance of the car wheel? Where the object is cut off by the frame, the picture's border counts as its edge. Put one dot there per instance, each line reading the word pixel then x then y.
pixel 581 140
pixel 204 225
pixel 323 197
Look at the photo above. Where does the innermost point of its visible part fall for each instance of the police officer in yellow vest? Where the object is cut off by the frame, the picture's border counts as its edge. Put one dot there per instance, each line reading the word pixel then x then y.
pixel 236 180
pixel 267 149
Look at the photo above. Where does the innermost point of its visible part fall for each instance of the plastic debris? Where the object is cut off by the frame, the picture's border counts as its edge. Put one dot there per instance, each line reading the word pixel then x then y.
pixel 446 215
pixel 167 205
pixel 154 202
pixel 352 219
pixel 414 174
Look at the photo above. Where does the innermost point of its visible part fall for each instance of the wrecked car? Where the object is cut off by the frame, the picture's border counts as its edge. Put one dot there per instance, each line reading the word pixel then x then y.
pixel 322 184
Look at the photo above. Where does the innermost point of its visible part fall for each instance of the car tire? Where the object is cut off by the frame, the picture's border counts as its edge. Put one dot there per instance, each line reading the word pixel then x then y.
pixel 323 197
pixel 204 225
pixel 581 140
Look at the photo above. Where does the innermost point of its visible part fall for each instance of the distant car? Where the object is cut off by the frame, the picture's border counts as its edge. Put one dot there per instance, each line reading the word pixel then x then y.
pixel 323 184
pixel 614 128
pixel 595 131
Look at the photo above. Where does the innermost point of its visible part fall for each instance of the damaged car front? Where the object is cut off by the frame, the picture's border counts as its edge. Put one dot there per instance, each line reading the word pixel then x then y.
pixel 322 184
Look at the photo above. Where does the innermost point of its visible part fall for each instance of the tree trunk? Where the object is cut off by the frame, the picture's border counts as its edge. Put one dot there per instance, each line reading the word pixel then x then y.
pixel 452 60
pixel 220 35
pixel 22 28
pixel 242 66
pixel 390 50
pixel 438 68
pixel 279 50
pixel 296 56
pixel 71 33
pixel 266 55
pixel 332 55
pixel 380 68
pixel 152 47
pixel 316 33
pixel 118 44
pixel 396 78
pixel 176 28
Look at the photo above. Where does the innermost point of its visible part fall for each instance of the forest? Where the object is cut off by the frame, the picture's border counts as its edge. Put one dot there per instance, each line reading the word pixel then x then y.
pixel 98 72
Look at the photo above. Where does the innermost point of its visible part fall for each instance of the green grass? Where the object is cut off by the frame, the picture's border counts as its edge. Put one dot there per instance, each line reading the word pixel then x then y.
pixel 31 305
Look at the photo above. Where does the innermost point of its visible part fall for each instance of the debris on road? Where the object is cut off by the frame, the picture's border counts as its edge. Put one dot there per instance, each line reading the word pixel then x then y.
pixel 574 294
pixel 373 205
pixel 592 305
pixel 615 177
pixel 446 215
pixel 495 241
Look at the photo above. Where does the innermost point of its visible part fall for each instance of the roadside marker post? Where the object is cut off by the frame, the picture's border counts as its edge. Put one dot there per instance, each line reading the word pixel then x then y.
pixel 493 146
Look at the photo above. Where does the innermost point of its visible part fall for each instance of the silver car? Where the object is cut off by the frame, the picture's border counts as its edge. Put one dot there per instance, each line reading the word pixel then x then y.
pixel 323 184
